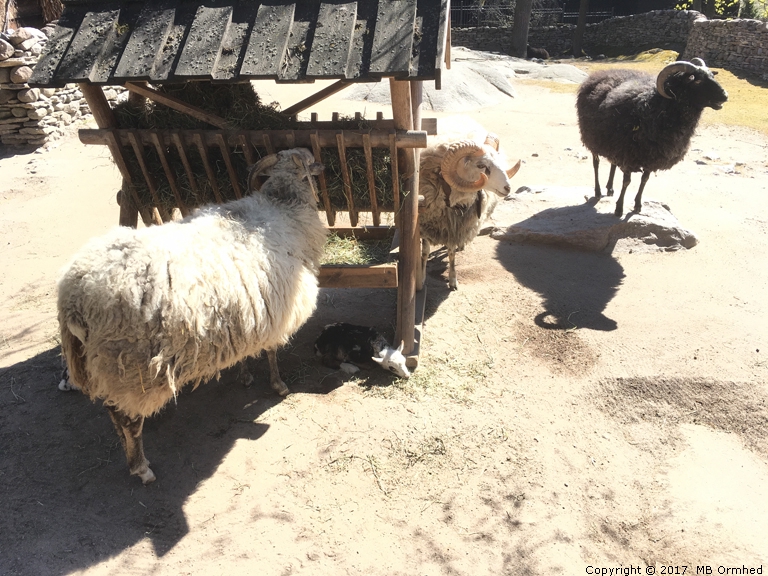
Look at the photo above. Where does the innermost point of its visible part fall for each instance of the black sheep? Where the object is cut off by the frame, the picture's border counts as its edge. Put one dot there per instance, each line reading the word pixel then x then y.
pixel 640 124
pixel 540 53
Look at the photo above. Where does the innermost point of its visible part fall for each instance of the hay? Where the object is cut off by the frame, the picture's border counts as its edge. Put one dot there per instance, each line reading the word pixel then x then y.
pixel 351 250
pixel 242 109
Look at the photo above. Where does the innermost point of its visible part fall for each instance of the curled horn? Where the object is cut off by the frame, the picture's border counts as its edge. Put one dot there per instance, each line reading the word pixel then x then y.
pixel 492 140
pixel 258 168
pixel 670 69
pixel 698 62
pixel 455 153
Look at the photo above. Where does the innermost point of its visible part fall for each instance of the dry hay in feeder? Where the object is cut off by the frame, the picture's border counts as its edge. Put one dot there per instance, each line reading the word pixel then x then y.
pixel 242 109
pixel 352 250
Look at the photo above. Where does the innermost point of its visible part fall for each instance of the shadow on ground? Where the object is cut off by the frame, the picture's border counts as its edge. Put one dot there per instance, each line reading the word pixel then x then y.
pixel 575 286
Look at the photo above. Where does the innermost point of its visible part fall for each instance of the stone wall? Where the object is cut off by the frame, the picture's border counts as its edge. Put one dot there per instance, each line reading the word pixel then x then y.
pixel 738 44
pixel 741 44
pixel 33 116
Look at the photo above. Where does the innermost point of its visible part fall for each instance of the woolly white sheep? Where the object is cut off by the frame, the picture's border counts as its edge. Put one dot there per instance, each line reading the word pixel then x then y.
pixel 462 173
pixel 144 312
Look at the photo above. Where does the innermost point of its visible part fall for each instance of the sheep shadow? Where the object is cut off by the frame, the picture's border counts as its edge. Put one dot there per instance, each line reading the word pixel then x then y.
pixel 68 501
pixel 575 286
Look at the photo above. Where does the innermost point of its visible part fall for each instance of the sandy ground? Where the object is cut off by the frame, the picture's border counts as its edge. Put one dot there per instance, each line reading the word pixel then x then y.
pixel 571 411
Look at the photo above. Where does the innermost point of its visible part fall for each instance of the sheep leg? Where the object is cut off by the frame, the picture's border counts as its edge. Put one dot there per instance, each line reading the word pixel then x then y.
pixel 425 250
pixel 609 186
pixel 639 197
pixel 129 431
pixel 620 202
pixel 274 374
pixel 595 165
pixel 453 283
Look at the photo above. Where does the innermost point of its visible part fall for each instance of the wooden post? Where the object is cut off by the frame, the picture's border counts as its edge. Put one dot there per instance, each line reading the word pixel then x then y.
pixel 402 113
pixel 105 118
pixel 417 95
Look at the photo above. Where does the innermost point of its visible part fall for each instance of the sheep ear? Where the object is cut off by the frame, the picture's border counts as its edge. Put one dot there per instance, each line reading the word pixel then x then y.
pixel 377 360
pixel 400 348
pixel 316 168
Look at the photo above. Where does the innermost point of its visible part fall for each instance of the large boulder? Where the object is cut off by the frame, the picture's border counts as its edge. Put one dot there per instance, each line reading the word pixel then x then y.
pixel 6 49
pixel 21 74
pixel 552 215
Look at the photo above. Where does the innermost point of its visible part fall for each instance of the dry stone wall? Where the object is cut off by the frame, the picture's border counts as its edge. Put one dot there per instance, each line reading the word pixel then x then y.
pixel 33 116
pixel 737 44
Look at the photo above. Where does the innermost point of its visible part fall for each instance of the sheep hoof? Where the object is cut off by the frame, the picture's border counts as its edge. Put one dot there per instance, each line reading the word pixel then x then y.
pixel 280 387
pixel 349 368
pixel 453 285
pixel 247 380
pixel 147 477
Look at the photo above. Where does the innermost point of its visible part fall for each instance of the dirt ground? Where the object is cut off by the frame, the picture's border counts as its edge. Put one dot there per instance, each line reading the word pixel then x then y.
pixel 571 411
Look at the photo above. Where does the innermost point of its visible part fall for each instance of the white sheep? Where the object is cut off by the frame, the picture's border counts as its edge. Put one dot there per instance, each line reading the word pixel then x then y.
pixel 144 312
pixel 462 172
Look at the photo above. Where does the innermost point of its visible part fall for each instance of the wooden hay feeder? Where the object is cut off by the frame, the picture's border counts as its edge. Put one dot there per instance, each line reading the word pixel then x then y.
pixel 147 45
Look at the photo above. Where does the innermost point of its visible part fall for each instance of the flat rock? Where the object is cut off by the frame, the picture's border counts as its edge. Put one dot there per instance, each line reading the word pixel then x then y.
pixel 553 215
pixel 476 80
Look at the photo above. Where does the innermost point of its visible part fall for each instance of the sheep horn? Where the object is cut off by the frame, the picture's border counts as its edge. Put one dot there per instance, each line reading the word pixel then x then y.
pixel 258 168
pixel 512 171
pixel 455 153
pixel 299 158
pixel 492 140
pixel 670 69
pixel 699 62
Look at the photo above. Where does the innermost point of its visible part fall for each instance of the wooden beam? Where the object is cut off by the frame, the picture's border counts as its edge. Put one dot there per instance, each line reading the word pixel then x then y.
pixel 402 113
pixel 317 97
pixel 106 120
pixel 176 104
pixel 363 232
pixel 272 140
pixel 378 276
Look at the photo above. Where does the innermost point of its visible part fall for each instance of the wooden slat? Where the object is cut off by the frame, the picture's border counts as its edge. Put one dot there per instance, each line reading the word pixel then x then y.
pixel 177 141
pixel 147 40
pixel 230 168
pixel 393 38
pixel 103 69
pixel 267 140
pixel 362 40
pixel 169 174
pixel 395 172
pixel 333 40
pixel 268 41
pixel 247 149
pixel 200 54
pixel 315 98
pixel 45 70
pixel 138 150
pixel 379 276
pixel 371 180
pixel 203 150
pixel 96 30
pixel 234 41
pixel 127 216
pixel 294 61
pixel 177 104
pixel 329 212
pixel 276 139
pixel 168 55
pixel 345 177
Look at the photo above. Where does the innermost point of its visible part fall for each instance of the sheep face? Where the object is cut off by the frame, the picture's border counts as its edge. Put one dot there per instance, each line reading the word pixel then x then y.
pixel 297 163
pixel 393 360
pixel 693 85
pixel 469 167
